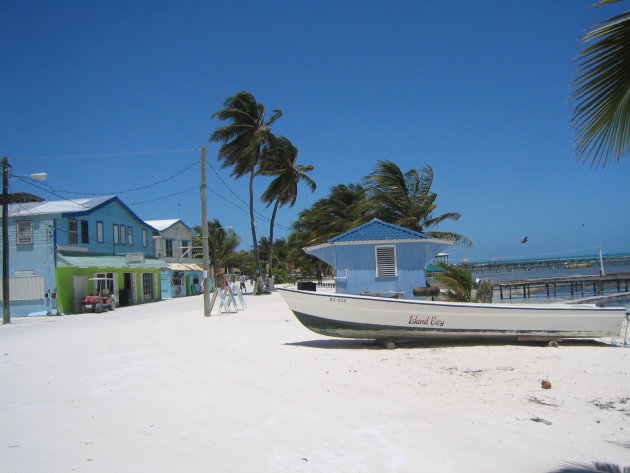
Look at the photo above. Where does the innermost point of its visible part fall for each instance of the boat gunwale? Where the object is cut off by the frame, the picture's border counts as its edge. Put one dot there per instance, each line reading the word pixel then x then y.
pixel 561 306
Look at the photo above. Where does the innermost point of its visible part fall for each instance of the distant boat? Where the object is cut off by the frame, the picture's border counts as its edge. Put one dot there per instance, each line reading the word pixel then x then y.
pixel 387 319
pixel 578 265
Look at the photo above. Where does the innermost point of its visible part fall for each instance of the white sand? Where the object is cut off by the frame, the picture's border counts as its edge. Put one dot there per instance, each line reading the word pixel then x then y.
pixel 159 388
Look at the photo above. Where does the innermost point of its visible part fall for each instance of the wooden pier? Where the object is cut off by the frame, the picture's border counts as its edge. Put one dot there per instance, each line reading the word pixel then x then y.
pixel 577 285
pixel 568 263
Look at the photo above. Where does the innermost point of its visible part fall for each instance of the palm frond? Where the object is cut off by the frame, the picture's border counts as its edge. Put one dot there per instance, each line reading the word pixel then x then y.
pixel 601 118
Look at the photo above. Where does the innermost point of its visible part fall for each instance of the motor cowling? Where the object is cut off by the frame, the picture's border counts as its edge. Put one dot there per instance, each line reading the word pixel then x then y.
pixel 431 291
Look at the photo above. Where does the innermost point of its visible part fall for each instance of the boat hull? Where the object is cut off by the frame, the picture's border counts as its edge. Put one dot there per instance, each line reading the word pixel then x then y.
pixel 351 316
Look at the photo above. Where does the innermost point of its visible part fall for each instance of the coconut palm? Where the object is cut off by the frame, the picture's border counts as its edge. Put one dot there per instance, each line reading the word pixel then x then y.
pixel 461 286
pixel 221 246
pixel 332 215
pixel 244 141
pixel 283 189
pixel 406 199
pixel 601 118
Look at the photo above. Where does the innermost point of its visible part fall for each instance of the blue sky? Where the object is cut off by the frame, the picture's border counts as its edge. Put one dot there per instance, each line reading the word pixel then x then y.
pixel 477 90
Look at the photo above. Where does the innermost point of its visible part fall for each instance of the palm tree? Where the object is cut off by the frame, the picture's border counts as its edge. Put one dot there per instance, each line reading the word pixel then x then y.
pixel 332 215
pixel 221 246
pixel 601 118
pixel 283 190
pixel 406 199
pixel 244 141
pixel 461 285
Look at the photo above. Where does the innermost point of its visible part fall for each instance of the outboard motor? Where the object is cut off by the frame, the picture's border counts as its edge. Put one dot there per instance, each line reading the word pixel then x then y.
pixel 429 291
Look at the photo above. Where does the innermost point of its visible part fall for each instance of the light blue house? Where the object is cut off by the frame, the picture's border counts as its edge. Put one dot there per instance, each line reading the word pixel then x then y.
pixel 56 248
pixel 379 258
pixel 173 244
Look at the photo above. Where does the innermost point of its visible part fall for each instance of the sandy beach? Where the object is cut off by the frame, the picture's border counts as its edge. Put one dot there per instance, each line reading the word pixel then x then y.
pixel 160 388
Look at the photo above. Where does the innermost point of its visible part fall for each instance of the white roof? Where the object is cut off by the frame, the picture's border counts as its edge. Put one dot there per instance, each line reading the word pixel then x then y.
pixel 162 225
pixel 56 206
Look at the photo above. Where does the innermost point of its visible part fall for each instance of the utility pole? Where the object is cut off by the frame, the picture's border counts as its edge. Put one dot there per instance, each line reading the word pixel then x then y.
pixel 204 234
pixel 6 303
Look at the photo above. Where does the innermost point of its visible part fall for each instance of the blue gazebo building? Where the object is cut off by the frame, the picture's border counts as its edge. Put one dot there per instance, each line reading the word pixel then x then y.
pixel 379 258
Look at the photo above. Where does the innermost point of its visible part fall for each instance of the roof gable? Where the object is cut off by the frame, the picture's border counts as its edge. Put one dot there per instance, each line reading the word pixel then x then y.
pixel 162 225
pixel 377 230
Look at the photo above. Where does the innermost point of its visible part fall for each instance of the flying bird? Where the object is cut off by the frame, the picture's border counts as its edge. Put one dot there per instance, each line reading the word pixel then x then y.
pixel 524 240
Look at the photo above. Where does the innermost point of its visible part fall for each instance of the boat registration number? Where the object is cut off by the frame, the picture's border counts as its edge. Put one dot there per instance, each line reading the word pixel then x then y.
pixel 338 299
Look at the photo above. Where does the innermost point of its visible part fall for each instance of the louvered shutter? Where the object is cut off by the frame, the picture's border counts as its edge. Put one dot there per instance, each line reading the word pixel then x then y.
pixel 386 261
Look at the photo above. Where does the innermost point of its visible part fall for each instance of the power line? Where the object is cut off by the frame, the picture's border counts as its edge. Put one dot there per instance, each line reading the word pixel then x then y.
pixel 164 197
pixel 261 215
pixel 102 155
pixel 52 190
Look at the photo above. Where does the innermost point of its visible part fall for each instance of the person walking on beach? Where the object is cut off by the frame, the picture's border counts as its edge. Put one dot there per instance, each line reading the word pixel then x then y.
pixel 242 282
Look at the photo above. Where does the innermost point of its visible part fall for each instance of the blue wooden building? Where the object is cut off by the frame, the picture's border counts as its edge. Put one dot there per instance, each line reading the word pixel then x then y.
pixel 379 258
pixel 57 247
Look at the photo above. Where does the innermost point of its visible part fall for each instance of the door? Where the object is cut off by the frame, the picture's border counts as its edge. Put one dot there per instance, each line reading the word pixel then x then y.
pixel 80 291
pixel 128 293
pixel 148 293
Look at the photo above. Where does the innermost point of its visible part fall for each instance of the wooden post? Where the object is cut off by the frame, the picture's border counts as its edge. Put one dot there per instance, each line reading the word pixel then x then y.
pixel 204 235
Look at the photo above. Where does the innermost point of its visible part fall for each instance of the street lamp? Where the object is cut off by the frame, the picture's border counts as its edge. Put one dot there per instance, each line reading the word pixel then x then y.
pixel 6 200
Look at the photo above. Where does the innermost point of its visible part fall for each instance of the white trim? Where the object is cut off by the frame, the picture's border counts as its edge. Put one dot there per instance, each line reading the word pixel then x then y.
pixel 378 242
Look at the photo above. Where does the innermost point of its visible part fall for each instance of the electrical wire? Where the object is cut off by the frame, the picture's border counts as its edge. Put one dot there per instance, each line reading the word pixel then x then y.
pixel 102 155
pixel 261 215
pixel 123 191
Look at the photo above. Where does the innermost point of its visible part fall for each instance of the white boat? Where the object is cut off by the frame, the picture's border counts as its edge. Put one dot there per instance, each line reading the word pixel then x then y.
pixel 388 319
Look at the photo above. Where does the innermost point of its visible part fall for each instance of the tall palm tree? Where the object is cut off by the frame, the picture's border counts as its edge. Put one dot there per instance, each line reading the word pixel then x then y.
pixel 406 199
pixel 244 141
pixel 461 286
pixel 221 246
pixel 601 118
pixel 283 189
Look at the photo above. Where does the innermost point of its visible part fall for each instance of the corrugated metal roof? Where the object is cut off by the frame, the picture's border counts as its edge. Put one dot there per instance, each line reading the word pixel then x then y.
pixel 184 267
pixel 56 206
pixel 377 230
pixel 64 261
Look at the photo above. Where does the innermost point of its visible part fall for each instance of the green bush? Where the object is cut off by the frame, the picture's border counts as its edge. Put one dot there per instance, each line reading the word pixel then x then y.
pixel 282 276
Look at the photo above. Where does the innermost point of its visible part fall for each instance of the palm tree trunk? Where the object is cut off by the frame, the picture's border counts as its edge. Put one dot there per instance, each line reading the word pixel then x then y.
pixel 253 225
pixel 273 219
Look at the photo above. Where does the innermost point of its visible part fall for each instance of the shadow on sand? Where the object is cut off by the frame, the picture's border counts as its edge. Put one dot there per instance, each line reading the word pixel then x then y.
pixel 360 344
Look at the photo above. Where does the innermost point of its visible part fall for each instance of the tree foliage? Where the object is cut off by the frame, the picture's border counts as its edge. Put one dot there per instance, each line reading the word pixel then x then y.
pixel 601 118
pixel 404 199
pixel 221 246
pixel 461 286
pixel 280 162
pixel 245 139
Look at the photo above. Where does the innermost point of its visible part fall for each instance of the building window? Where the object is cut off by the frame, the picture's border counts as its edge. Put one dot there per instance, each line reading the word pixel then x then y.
pixel 73 231
pixel 185 249
pixel 386 262
pixel 85 235
pixel 24 232
pixel 104 284
pixel 123 235
pixel 130 236
pixel 99 232
pixel 169 248
pixel 115 234
pixel 144 237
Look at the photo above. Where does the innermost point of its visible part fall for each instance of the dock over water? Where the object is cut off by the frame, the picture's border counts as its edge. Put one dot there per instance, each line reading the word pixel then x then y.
pixel 576 285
